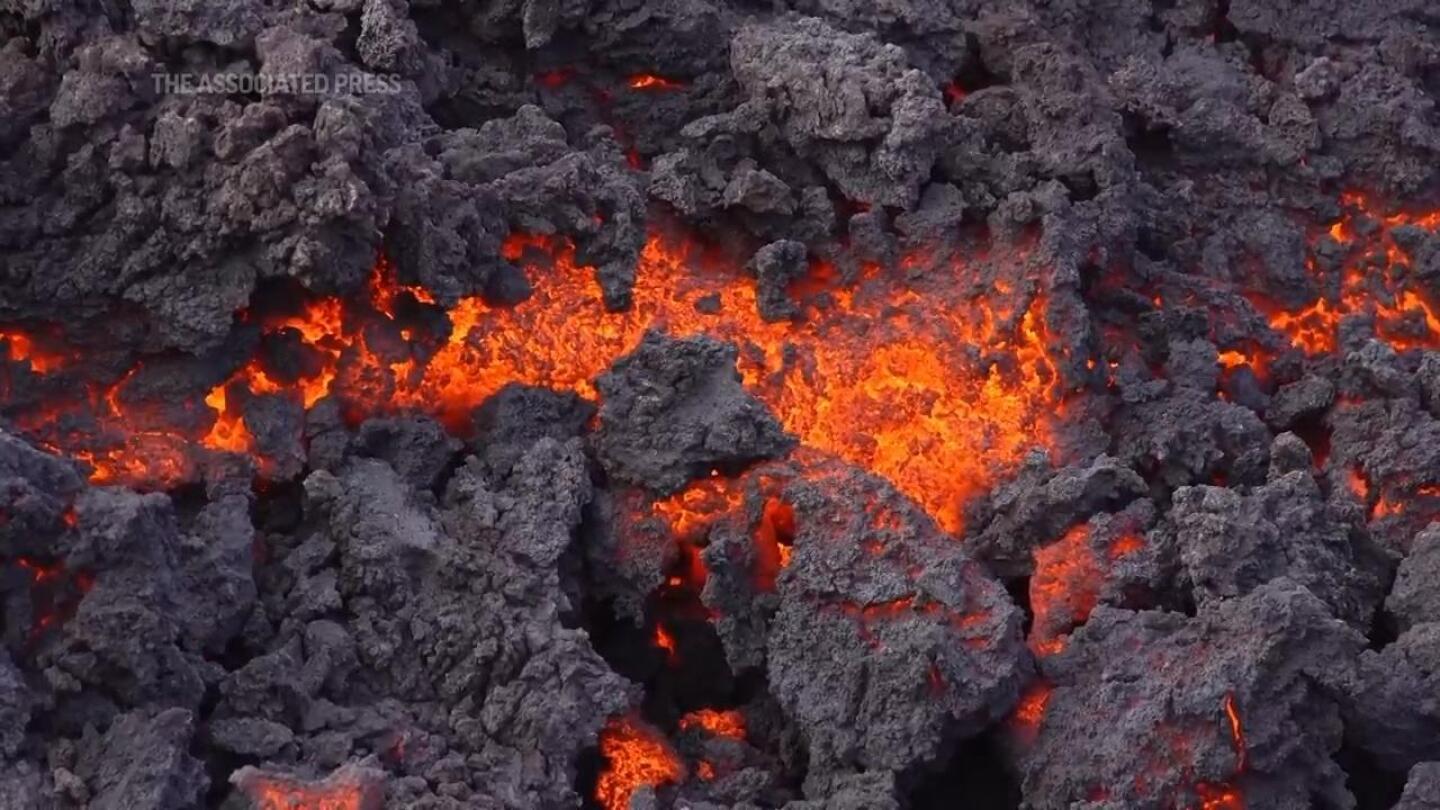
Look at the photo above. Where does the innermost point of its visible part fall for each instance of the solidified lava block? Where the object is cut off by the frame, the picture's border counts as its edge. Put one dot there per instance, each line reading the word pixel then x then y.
pixel 675 410
pixel 888 638
pixel 1238 706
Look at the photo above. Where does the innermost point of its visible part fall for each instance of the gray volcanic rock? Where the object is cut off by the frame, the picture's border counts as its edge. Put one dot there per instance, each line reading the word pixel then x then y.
pixel 1275 658
pixel 833 94
pixel 1414 598
pixel 1393 714
pixel 1221 218
pixel 674 410
pixel 1041 503
pixel 1230 543
pixel 1422 789
pixel 142 761
pixel 888 638
pixel 14 707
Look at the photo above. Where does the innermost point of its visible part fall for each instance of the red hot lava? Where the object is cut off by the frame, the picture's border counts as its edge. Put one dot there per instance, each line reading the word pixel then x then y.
pixel 879 373
pixel 1374 278
pixel 635 756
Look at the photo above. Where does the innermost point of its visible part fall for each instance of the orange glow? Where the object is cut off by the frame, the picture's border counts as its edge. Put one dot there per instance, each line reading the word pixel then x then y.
pixel 649 81
pixel 1384 507
pixel 1237 731
pixel 773 538
pixel 921 382
pixel 1063 589
pixel 1226 796
pixel 1125 545
pixel 665 641
pixel 728 724
pixel 1233 359
pixel 1031 708
pixel 635 756
pixel 229 432
pixel 954 93
pixel 22 349
pixel 1355 480
pixel 275 793
pixel 705 771
pixel 691 512
pixel 1219 797
pixel 1404 317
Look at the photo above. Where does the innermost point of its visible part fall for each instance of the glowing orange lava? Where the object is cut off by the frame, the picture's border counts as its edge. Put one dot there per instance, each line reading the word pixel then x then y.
pixel 728 724
pixel 1031 708
pixel 649 81
pixel 1125 545
pixel 1237 731
pixel 666 642
pixel 21 347
pixel 276 793
pixel 1063 590
pixel 924 382
pixel 635 755
pixel 1374 278
pixel 773 538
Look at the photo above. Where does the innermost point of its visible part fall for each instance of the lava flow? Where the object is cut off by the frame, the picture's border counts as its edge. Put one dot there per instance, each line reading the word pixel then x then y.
pixel 635 756
pixel 1374 278
pixel 940 391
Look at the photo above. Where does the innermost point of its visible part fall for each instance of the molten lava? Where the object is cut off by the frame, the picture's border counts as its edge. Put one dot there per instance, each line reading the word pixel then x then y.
pixel 666 642
pixel 649 81
pixel 1375 278
pixel 1064 589
pixel 279 793
pixel 1030 711
pixel 940 391
pixel 20 347
pixel 727 724
pixel 635 756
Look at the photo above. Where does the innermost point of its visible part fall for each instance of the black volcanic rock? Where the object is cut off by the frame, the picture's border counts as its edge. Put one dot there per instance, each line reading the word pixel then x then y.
pixel 674 410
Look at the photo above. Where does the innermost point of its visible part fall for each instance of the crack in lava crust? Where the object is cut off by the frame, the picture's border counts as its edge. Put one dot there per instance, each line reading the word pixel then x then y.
pixel 938 384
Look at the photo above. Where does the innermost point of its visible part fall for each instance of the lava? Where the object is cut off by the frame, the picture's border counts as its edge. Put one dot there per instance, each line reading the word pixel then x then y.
pixel 773 539
pixel 940 392
pixel 55 592
pixel 20 347
pixel 727 724
pixel 1226 796
pixel 1031 709
pixel 649 81
pixel 635 756
pixel 666 642
pixel 1237 731
pixel 1064 589
pixel 1374 279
